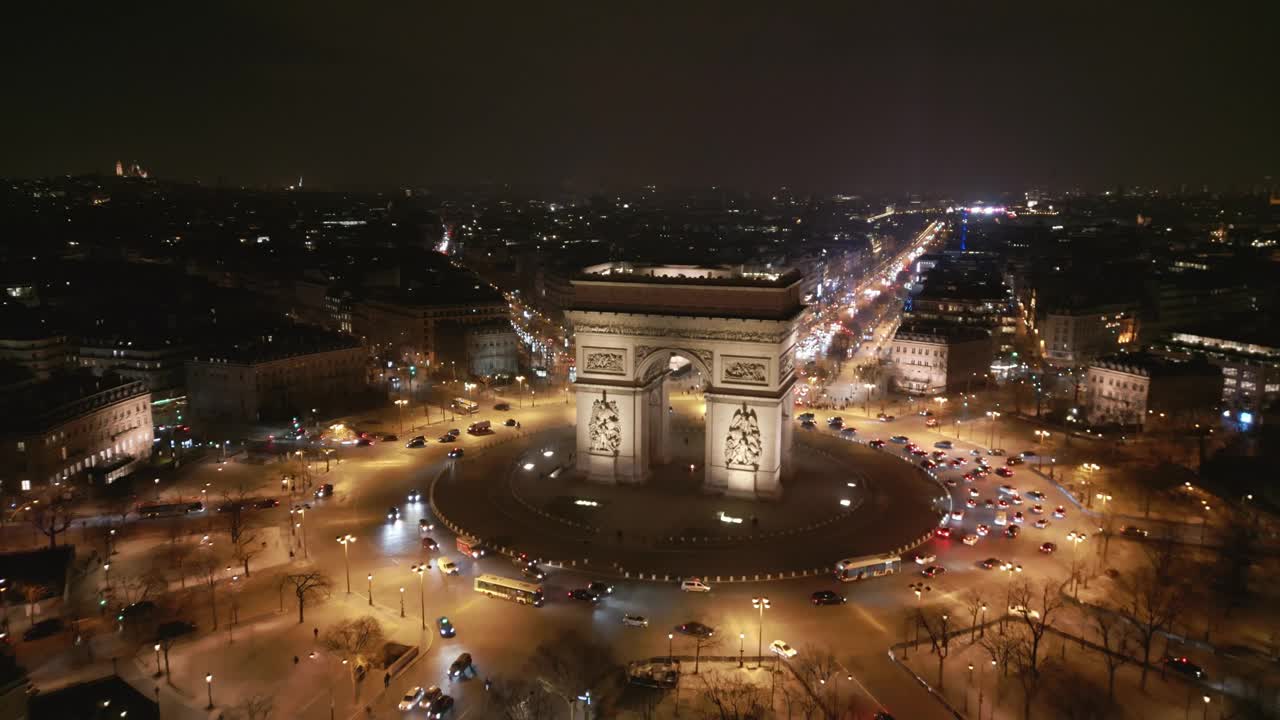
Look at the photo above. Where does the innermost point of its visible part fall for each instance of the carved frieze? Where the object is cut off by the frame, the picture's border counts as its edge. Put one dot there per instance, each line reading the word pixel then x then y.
pixel 604 361
pixel 605 428
pixel 690 333
pixel 744 370
pixel 743 446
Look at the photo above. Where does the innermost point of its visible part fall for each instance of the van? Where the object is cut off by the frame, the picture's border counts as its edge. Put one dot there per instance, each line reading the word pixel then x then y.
pixel 447 566
pixel 479 428
pixel 694 585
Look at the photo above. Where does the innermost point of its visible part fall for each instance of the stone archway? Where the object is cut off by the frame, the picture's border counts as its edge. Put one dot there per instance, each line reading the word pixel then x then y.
pixel 746 355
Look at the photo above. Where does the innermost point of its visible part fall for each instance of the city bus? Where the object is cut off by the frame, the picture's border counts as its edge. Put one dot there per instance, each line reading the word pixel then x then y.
pixel 156 510
pixel 868 566
pixel 508 589
pixel 465 407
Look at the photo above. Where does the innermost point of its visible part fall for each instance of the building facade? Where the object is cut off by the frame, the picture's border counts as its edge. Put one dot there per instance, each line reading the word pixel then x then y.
pixel 1250 364
pixel 492 349
pixel 1078 336
pixel 75 429
pixel 1138 389
pixel 930 359
pixel 409 328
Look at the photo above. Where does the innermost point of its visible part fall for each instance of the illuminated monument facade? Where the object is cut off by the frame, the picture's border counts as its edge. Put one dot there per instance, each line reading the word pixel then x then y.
pixel 737 329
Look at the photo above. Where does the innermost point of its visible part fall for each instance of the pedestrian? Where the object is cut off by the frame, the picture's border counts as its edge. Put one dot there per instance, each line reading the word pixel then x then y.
pixel 295 659
pixel 316 632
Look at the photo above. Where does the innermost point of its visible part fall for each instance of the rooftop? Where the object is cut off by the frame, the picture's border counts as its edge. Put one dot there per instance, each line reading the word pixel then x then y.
pixel 939 332
pixel 293 341
pixel 1150 365
pixel 43 405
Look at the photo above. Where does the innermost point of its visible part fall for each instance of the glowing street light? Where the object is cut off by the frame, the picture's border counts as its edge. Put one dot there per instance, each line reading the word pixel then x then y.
pixel 345 541
pixel 761 604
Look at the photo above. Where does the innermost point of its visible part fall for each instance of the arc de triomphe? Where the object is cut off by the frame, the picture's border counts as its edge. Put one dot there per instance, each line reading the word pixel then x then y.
pixel 737 329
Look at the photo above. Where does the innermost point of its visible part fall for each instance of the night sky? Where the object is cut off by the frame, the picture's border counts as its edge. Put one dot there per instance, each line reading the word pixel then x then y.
pixel 851 96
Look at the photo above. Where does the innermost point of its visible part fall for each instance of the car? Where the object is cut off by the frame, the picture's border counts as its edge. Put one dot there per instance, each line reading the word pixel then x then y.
pixel 1023 610
pixel 1034 494
pixel 324 491
pixel 393 514
pixel 1183 666
pixel 925 413
pixel 695 629
pixel 827 597
pixel 950 482
pixel 1004 472
pixel 455 452
pixel 899 439
pixel 446 438
pixel 877 443
pixel 415 496
pixel 411 698
pixel 848 431
pixel 1011 531
pixel 600 589
pixel 455 432
pixel 1018 517
pixel 447 566
pixel 931 422
pixel 1002 503
pixel 968 477
pixel 1016 499
pixel 957 514
pixel 998 452
pixel 808 424
pixel 390 438
pixel 461 666
pixel 1037 509
pixel 970 502
pixel 1028 453
pixel 955 462
pixel 782 650
pixel 511 422
pixel 503 406
pixel 425 525
pixel 933 571
pixel 928 464
pixel 944 444
pixel 937 455
pixel 416 442
pixel 835 422
pixel 1060 512
pixel 1013 461
pixel 919 453
pixel 1042 524
pixel 1007 489
pixel 694 585
pixel 440 706
pixel 445 627
pixel 976 453
pixel 925 559
pixel 265 504
pixel 970 539
pixel 973 492
pixel 942 533
pixel 430 544
pixel 991 562
pixel 982 530
pixel 1133 531
pixel 1048 548
pixel 532 572
pixel 635 621
pixel 990 503
pixel 43 629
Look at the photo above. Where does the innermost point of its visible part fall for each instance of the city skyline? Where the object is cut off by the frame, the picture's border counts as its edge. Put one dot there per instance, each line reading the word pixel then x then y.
pixel 820 99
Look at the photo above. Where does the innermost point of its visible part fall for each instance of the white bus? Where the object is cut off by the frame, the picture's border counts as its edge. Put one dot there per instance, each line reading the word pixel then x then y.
pixel 868 566
pixel 508 589
pixel 464 406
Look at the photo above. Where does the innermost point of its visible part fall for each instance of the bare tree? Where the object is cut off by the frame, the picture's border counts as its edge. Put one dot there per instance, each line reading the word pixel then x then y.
pixel 1151 602
pixel 207 569
pixel 519 698
pixel 130 589
pixel 732 697
pixel 1116 636
pixel 701 643
pixel 1030 671
pixel 814 667
pixel 52 518
pixel 974 602
pixel 1038 606
pixel 354 641
pixel 935 625
pixel 570 664
pixel 244 539
pixel 306 585
pixel 1075 696
pixel 258 707
pixel 1000 648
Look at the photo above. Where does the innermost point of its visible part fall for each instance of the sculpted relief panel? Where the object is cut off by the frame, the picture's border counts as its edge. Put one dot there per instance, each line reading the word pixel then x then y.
pixel 786 364
pixel 745 371
pixel 743 446
pixel 699 334
pixel 605 427
pixel 604 361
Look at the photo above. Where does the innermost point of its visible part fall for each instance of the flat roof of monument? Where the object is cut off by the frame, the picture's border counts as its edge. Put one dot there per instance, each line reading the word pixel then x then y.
pixel 687 290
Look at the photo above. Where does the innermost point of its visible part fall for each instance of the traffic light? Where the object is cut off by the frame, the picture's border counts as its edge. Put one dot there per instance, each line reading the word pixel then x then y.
pixel 413 369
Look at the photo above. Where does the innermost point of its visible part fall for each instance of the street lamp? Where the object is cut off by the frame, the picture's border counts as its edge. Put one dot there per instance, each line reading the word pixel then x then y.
pixel 302 529
pixel 742 637
pixel 370 587
pixel 761 604
pixel 1075 538
pixel 401 601
pixel 208 681
pixel 345 541
pixel 1010 569
pixel 520 385
pixel 1206 707
pixel 421 569
pixel 670 656
pixel 991 437
pixel 156 647
pixel 400 412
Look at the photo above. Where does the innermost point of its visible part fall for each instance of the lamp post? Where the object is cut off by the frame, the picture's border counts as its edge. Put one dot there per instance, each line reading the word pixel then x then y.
pixel 400 413
pixel 866 399
pixel 156 647
pixel 520 393
pixel 760 604
pixel 1041 436
pixel 991 436
pixel 1075 538
pixel 421 570
pixel 919 588
pixel 1206 707
pixel 208 682
pixel 968 689
pixel 1089 469
pixel 302 529
pixel 1010 569
pixel 345 541
pixel 982 630
pixel 370 587
pixel 742 637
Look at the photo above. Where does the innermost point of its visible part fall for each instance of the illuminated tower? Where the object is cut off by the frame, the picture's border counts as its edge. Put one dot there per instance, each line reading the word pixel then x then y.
pixel 119 168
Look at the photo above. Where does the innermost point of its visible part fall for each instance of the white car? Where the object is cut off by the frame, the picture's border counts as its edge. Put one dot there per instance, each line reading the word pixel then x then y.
pixel 957 515
pixel 781 649
pixel 694 585
pixel 447 566
pixel 635 621
pixel 926 559
pixel 1042 523
pixel 411 699
pixel 970 539
pixel 1023 610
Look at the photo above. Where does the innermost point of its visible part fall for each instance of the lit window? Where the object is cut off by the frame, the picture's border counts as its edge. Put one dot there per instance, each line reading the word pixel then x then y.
pixel 26 485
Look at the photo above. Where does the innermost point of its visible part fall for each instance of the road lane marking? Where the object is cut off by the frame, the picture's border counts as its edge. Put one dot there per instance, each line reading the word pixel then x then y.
pixel 871 619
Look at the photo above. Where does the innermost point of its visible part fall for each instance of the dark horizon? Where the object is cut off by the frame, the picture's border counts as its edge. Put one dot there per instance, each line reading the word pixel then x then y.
pixel 837 99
